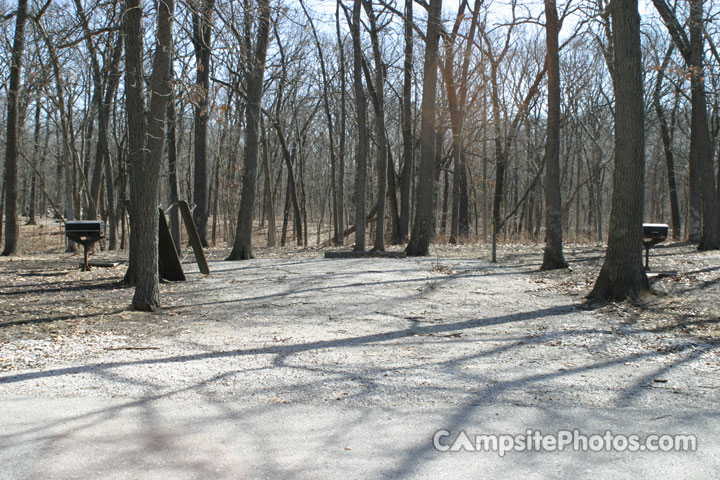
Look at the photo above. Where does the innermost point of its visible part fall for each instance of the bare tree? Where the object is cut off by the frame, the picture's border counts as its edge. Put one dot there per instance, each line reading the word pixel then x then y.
pixel 701 163
pixel 12 227
pixel 201 38
pixel 172 170
pixel 361 150
pixel 553 256
pixel 146 134
pixel 407 136
pixel 622 275
pixel 242 247
pixel 381 147
pixel 424 224
pixel 667 145
pixel 457 87
pixel 337 228
pixel 340 220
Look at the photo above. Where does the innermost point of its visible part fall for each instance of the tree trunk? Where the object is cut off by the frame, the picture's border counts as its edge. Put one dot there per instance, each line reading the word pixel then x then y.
pixel 444 214
pixel 702 178
pixel 700 148
pixel 407 137
pixel 242 247
pixel 145 169
pixel 269 202
pixel 667 147
pixel 337 229
pixel 340 240
pixel 392 198
pixel 172 172
pixel 202 34
pixel 12 227
pixel 553 257
pixel 424 224
pixel 35 161
pixel 136 126
pixel 380 132
pixel 622 275
pixel 457 93
pixel 363 140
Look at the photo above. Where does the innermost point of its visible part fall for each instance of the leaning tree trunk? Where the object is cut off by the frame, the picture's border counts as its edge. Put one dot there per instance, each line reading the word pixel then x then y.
pixel 12 227
pixel 242 247
pixel 424 223
pixel 622 275
pixel 667 147
pixel 553 257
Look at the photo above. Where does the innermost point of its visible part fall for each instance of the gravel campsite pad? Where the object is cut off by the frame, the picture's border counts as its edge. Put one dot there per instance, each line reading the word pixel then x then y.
pixel 293 327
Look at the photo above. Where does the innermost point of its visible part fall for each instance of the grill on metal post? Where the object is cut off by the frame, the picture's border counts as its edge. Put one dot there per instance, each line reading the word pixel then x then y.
pixel 86 233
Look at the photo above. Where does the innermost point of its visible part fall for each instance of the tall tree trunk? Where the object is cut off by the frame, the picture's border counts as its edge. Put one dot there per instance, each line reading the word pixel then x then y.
pixel 667 147
pixel 464 212
pixel 105 82
pixel 337 229
pixel 35 161
pixel 145 170
pixel 363 140
pixel 172 171
pixel 380 132
pixel 269 200
pixel 340 239
pixel 700 147
pixel 424 224
pixel 286 210
pixel 408 141
pixel 12 227
pixel 622 275
pixel 702 178
pixel 136 124
pixel 392 198
pixel 456 87
pixel 202 34
pixel 553 257
pixel 242 247
pixel 444 215
pixel 499 160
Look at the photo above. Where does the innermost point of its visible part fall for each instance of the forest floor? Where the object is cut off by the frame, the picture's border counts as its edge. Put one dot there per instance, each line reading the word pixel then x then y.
pixel 291 326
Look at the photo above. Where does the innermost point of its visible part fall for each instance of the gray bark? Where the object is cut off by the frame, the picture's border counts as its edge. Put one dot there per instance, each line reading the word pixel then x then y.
pixel 12 227
pixel 553 256
pixel 242 246
pixel 202 34
pixel 145 164
pixel 424 224
pixel 622 275
pixel 363 140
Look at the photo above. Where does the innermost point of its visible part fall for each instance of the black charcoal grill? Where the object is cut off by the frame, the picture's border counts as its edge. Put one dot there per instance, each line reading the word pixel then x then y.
pixel 86 233
pixel 653 233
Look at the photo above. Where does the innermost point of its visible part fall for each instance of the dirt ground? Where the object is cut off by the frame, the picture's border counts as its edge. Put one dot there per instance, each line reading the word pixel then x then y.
pixel 291 326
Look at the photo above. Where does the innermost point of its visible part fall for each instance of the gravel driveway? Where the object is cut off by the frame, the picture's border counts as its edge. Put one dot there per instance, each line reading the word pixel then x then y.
pixel 396 332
